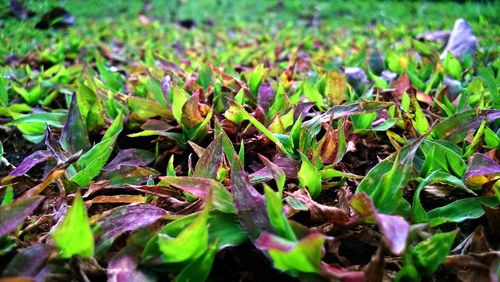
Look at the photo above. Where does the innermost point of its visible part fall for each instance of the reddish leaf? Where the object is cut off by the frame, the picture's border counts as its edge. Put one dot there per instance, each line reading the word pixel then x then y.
pixel 344 275
pixel 249 203
pixel 209 162
pixel 401 85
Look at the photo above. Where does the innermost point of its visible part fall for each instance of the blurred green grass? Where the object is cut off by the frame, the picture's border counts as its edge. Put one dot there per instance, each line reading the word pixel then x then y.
pixel 20 36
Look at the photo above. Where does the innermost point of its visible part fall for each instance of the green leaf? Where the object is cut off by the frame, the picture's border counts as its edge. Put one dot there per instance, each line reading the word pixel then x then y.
pixel 430 253
pixel 422 47
pixel 187 245
pixel 199 269
pixel 303 256
pixel 491 139
pixel 452 66
pixel 90 106
pixel 421 123
pixel 8 196
pixel 73 235
pixel 255 79
pixel 92 161
pixel 205 76
pixel 440 157
pixel 385 182
pixel 313 94
pixel 461 210
pixel 417 210
pixel 309 177
pixel 179 98
pixel 147 108
pixel 276 216
pixel 488 76
pixel 4 96
pixel 113 80
pixel 238 109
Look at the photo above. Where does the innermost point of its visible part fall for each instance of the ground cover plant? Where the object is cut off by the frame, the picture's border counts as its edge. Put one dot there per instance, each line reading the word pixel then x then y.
pixel 249 141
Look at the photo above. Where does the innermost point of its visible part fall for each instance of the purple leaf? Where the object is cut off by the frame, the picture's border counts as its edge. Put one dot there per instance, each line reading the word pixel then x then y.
pixel 265 95
pixel 54 147
pixel 395 230
pixel 14 214
pixel 130 157
pixel 124 268
pixel 29 261
pixel 301 109
pixel 481 170
pixel 462 40
pixel 480 164
pixel 127 218
pixel 440 36
pixel 249 203
pixel 289 166
pixel 165 87
pixel 456 127
pixel 394 227
pixel 30 161
pixel 209 162
pixel 355 76
pixel 74 136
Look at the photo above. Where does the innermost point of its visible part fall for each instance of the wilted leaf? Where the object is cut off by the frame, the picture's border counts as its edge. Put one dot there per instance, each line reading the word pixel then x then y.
pixel 203 188
pixel 335 87
pixel 265 95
